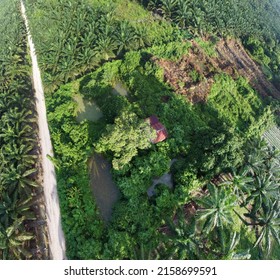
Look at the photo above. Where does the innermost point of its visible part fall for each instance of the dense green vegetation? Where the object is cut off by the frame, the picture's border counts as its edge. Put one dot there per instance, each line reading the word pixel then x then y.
pixel 18 156
pixel 81 36
pixel 225 196
pixel 72 143
pixel 199 158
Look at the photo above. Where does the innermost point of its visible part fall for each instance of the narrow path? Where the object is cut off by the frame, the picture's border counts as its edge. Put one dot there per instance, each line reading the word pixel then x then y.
pixel 56 236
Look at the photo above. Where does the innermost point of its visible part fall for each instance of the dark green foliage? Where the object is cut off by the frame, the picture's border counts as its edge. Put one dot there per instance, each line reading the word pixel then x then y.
pixel 236 218
pixel 18 132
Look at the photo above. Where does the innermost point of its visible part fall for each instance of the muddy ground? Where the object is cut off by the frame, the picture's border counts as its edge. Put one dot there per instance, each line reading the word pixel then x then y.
pixel 192 75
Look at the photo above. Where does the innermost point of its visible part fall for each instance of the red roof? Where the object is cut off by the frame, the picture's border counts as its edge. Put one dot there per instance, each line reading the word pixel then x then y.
pixel 159 128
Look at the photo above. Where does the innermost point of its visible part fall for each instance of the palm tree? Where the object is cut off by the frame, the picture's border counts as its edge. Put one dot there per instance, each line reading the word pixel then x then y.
pixel 183 13
pixel 17 131
pixel 125 37
pixel 230 250
pixel 271 161
pixel 141 36
pixel 183 240
pixel 20 153
pixel 167 8
pixel 13 240
pixel 263 192
pixel 269 229
pixel 17 176
pixel 240 183
pixel 153 5
pixel 266 224
pixel 144 252
pixel 12 207
pixel 21 116
pixel 198 20
pixel 254 161
pixel 105 47
pixel 216 208
pixel 87 60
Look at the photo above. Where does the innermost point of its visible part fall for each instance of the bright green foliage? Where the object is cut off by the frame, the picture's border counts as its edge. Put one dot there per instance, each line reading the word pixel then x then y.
pixel 217 208
pixel 72 145
pixel 208 46
pixel 240 99
pixel 172 51
pixel 128 135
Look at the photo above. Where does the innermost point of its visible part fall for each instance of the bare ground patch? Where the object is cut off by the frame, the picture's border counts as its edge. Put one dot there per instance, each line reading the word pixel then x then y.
pixel 192 75
pixel 233 52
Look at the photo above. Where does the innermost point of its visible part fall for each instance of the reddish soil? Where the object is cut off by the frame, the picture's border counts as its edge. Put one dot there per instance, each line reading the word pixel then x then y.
pixel 179 75
pixel 234 53
pixel 192 75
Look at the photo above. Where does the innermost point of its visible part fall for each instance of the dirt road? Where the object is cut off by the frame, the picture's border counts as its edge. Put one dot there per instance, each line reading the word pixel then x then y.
pixel 56 236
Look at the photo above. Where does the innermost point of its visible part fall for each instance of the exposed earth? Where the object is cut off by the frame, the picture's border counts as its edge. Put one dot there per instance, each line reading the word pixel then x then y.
pixel 192 75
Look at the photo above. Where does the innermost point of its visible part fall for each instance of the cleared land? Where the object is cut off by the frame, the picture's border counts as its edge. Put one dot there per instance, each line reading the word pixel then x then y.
pixel 193 74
